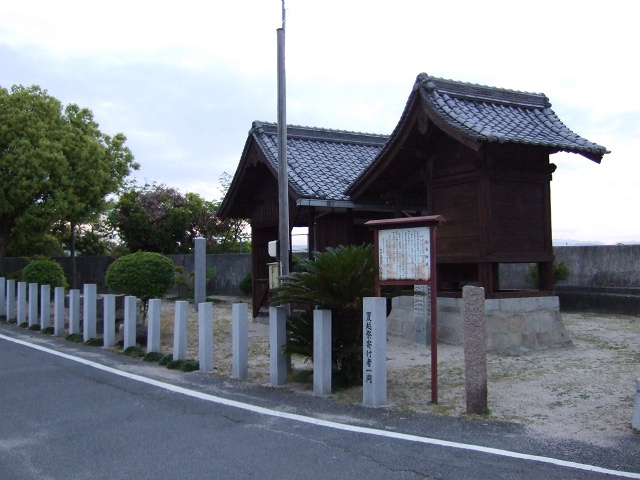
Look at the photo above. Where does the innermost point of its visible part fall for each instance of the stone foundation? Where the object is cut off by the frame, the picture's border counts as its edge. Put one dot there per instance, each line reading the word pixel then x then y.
pixel 513 324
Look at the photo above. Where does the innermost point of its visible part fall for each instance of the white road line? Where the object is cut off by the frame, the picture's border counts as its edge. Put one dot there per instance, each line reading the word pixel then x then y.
pixel 324 423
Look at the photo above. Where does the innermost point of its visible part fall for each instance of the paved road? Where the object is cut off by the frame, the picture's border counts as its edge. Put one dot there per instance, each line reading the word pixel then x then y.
pixel 60 419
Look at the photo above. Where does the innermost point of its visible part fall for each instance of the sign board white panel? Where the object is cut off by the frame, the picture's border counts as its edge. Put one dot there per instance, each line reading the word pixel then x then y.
pixel 404 253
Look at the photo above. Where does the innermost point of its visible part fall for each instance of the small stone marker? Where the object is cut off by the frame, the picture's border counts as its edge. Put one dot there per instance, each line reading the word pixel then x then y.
pixel 374 361
pixel 180 330
pixel 635 423
pixel 199 271
pixel 58 311
pixel 130 315
pixel 277 342
pixel 240 340
pixel 45 306
pixel 153 334
pixel 21 307
pixel 475 346
pixel 3 296
pixel 89 311
pixel 322 352
pixel 74 311
pixel 33 304
pixel 11 300
pixel 205 337
pixel 109 317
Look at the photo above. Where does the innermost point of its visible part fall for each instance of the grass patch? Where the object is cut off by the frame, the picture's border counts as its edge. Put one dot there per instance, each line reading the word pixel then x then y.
pixel 134 351
pixel 35 328
pixel 24 325
pixel 13 321
pixel 184 365
pixel 75 337
pixel 300 376
pixel 47 331
pixel 166 359
pixel 94 342
pixel 153 357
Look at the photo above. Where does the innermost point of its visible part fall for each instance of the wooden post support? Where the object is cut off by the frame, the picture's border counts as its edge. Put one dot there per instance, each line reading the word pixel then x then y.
pixel 240 340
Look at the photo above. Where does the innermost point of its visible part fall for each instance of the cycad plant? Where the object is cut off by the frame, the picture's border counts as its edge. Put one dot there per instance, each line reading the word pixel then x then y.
pixel 335 280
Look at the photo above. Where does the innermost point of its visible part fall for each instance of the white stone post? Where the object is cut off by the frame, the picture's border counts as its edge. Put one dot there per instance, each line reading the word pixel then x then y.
pixel 45 306
pixel 3 296
pixel 130 315
pixel 33 304
pixel 21 306
pixel 322 352
pixel 240 340
pixel 205 337
pixel 199 272
pixel 635 423
pixel 277 342
pixel 374 347
pixel 153 319
pixel 109 317
pixel 74 311
pixel 180 330
pixel 89 311
pixel 58 311
pixel 11 300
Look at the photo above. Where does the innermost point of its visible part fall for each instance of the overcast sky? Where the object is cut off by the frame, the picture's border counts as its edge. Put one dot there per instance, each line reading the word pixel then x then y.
pixel 184 80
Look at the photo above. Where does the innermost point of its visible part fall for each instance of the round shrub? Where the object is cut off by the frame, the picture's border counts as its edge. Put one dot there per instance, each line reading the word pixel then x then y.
pixel 44 272
pixel 144 275
pixel 245 284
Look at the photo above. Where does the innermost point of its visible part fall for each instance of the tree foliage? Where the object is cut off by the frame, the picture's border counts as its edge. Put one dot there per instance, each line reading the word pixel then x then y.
pixel 158 218
pixel 56 166
pixel 44 272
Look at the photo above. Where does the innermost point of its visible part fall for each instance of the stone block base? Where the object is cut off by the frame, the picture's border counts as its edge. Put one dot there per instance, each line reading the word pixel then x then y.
pixel 513 324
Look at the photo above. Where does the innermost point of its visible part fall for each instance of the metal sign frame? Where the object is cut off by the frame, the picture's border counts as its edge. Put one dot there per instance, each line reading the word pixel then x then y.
pixel 413 244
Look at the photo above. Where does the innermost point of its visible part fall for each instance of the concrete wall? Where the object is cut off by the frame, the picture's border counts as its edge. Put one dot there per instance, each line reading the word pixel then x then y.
pixel 230 270
pixel 601 266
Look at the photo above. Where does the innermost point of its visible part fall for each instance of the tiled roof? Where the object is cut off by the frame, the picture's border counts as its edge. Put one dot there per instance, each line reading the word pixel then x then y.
pixel 489 114
pixel 322 163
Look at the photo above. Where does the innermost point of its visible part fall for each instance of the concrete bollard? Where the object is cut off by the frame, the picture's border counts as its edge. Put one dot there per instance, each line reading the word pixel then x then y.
pixel 635 423
pixel 240 340
pixel 21 307
pixel 89 300
pixel 109 318
pixel 374 347
pixel 180 330
pixel 3 296
pixel 130 315
pixel 11 300
pixel 58 311
pixel 45 306
pixel 74 311
pixel 205 337
pixel 475 350
pixel 277 342
pixel 153 333
pixel 199 272
pixel 322 352
pixel 33 304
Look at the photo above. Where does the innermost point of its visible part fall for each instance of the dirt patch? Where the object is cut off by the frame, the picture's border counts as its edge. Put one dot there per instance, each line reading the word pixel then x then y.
pixel 584 392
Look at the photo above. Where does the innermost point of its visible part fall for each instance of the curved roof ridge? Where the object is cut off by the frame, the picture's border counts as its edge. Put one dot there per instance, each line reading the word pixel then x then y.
pixel 318 133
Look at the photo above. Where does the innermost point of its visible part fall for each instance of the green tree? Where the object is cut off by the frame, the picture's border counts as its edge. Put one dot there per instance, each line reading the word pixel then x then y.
pixel 32 161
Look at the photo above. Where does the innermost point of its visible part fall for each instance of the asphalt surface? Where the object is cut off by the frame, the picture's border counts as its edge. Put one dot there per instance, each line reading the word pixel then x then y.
pixel 61 419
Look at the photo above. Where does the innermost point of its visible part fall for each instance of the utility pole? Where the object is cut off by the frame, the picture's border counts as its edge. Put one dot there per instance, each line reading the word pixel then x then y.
pixel 283 179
